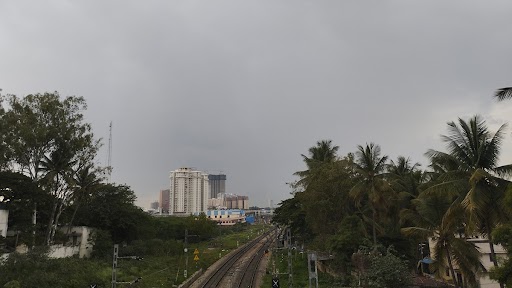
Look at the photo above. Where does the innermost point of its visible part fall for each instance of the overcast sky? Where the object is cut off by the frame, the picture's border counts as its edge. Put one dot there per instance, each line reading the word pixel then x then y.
pixel 245 87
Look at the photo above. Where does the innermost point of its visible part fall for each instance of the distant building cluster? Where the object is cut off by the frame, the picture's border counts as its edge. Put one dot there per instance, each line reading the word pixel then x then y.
pixel 192 192
pixel 229 201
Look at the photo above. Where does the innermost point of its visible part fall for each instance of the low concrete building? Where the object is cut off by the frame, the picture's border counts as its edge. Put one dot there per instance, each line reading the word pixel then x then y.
pixel 81 237
pixel 79 242
pixel 482 244
pixel 226 217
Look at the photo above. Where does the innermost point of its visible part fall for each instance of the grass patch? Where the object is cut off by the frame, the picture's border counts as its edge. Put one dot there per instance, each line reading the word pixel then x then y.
pixel 279 263
pixel 159 268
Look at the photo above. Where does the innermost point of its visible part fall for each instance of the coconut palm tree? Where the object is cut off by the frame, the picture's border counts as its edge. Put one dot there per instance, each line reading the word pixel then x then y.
pixel 371 189
pixel 323 152
pixel 503 93
pixel 57 168
pixel 405 176
pixel 473 176
pixel 437 218
pixel 405 179
pixel 86 181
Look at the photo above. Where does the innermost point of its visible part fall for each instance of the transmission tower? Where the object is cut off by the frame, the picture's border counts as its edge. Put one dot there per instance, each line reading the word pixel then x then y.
pixel 109 157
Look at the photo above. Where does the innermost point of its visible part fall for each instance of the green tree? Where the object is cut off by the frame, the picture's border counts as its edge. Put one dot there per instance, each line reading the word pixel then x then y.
pixel 406 179
pixel 314 189
pixel 326 199
pixel 19 194
pixel 57 168
pixel 503 235
pixel 323 152
pixel 290 212
pixel 112 209
pixel 503 273
pixel 438 218
pixel 349 237
pixel 371 188
pixel 39 123
pixel 474 178
pixel 86 181
pixel 4 131
pixel 405 176
pixel 383 269
pixel 43 128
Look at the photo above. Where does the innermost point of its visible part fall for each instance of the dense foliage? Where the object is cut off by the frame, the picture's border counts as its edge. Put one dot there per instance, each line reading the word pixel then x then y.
pixel 342 202
pixel 45 138
pixel 377 269
pixel 160 261
pixel 34 269
pixel 48 171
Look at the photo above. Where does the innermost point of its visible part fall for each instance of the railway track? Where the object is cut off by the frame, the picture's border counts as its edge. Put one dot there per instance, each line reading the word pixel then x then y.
pixel 240 268
pixel 248 278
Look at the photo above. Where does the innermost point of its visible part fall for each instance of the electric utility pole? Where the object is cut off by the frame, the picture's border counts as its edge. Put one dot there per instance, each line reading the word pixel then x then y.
pixel 114 267
pixel 290 262
pixel 186 252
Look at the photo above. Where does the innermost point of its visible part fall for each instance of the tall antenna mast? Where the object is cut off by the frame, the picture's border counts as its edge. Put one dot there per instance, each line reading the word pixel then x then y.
pixel 109 161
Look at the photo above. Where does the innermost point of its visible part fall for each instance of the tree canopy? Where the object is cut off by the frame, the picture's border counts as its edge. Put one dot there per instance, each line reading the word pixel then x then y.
pixel 363 197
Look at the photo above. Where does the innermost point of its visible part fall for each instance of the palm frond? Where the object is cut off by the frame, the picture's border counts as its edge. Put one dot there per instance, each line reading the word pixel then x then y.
pixel 452 219
pixel 467 257
pixel 503 93
pixel 432 208
pixel 412 216
pixel 452 188
pixel 417 232
pixel 503 171
pixel 358 192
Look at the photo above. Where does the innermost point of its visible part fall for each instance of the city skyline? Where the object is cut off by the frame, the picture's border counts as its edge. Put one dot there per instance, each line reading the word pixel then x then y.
pixel 247 87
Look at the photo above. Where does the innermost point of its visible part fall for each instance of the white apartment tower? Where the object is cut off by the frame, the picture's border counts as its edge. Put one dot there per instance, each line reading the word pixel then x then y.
pixel 189 192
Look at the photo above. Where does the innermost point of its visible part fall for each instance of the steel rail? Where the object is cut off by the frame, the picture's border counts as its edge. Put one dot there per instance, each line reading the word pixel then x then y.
pixel 216 277
pixel 251 270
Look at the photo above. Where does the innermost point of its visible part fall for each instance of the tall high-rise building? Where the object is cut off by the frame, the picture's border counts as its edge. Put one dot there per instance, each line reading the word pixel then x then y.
pixel 164 201
pixel 189 191
pixel 217 185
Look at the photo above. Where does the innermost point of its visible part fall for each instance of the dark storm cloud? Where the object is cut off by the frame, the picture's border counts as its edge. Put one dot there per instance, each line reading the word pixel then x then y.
pixel 246 87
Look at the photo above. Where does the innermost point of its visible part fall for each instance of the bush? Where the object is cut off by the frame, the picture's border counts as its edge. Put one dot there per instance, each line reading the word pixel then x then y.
pixel 381 269
pixel 103 244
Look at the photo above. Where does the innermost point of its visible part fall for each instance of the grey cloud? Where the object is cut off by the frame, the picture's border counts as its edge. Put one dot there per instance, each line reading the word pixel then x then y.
pixel 246 87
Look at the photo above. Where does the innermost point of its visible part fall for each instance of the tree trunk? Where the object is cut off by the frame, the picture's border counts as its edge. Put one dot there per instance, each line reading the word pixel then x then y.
pixel 374 229
pixel 52 215
pixel 50 223
pixel 56 222
pixel 493 254
pixel 72 218
pixel 34 224
pixel 452 271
